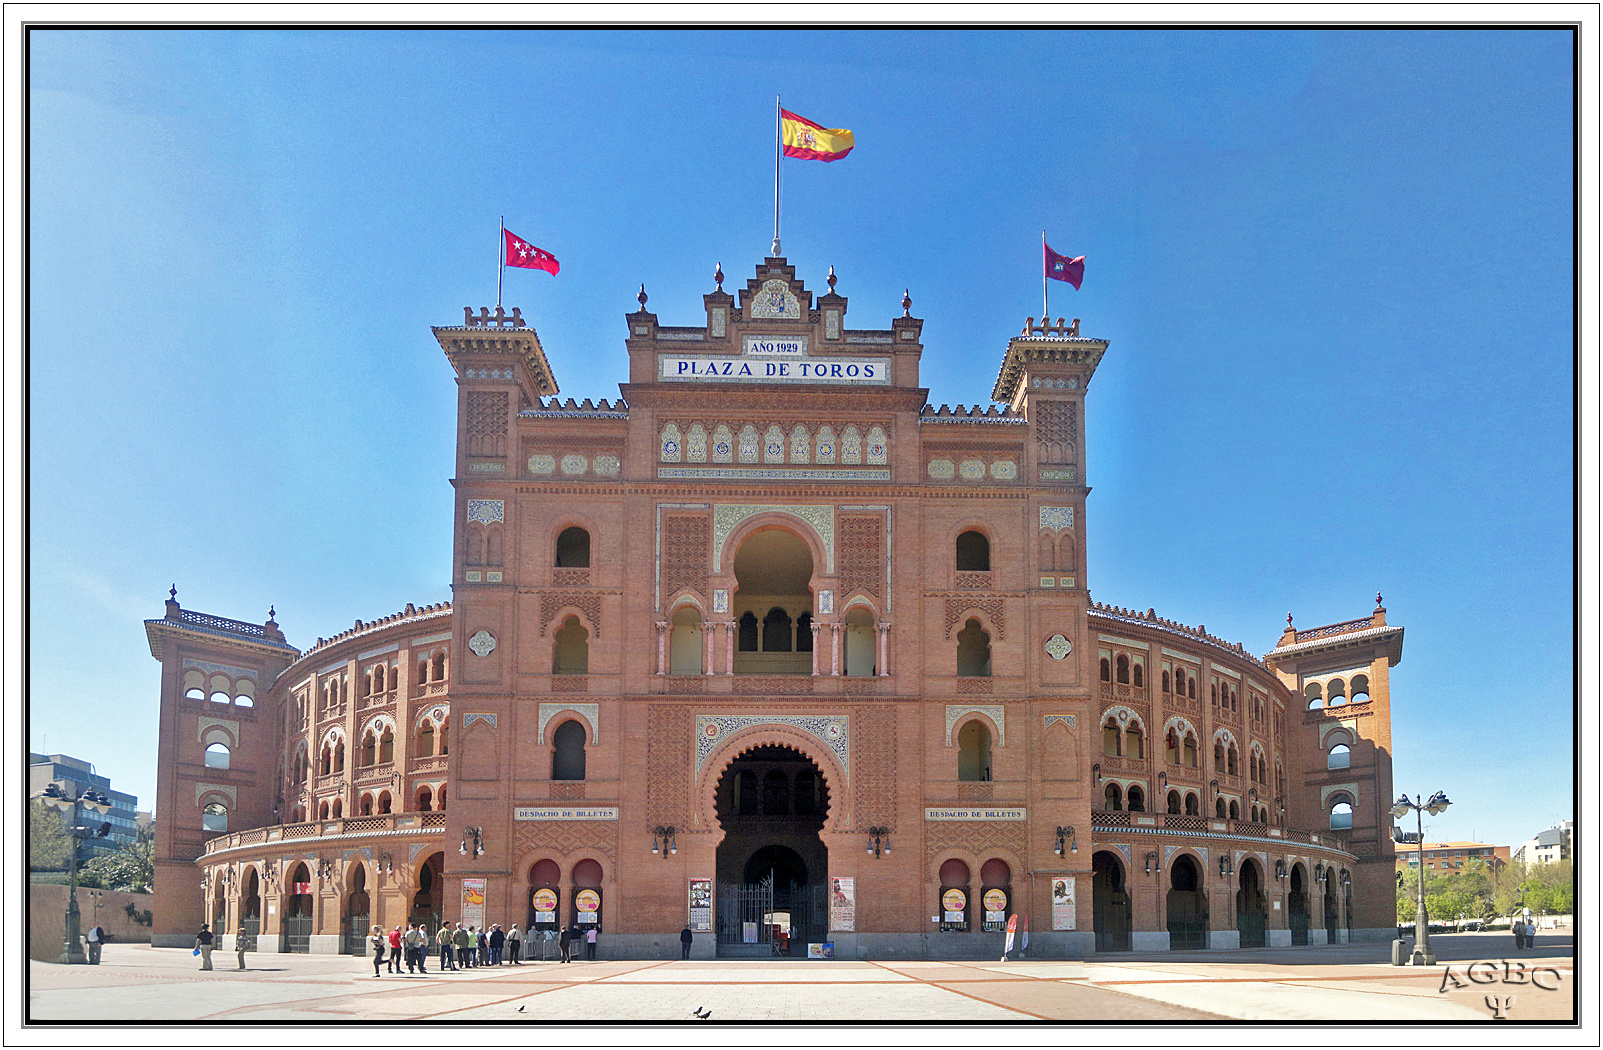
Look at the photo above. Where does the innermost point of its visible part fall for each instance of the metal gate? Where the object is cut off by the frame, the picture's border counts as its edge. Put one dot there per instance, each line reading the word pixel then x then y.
pixel 298 934
pixel 355 940
pixel 799 914
pixel 253 927
pixel 1299 927
pixel 739 904
pixel 1250 924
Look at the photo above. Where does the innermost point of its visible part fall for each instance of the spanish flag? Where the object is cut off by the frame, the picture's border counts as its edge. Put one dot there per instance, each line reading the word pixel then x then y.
pixel 811 141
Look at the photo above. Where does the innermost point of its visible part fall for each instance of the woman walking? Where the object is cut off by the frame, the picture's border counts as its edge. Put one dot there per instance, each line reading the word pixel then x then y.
pixel 379 943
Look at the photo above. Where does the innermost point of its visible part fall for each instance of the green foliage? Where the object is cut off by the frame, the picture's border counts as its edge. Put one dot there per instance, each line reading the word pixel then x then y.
pixel 1482 892
pixel 49 845
pixel 130 868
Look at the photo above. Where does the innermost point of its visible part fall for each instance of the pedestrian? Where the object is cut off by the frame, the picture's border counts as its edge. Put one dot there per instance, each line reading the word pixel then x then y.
pixel 416 941
pixel 562 943
pixel 241 939
pixel 590 944
pixel 443 940
pixel 378 942
pixel 395 950
pixel 483 944
pixel 685 937
pixel 1517 928
pixel 203 945
pixel 94 939
pixel 464 953
pixel 497 943
pixel 515 945
pixel 1530 935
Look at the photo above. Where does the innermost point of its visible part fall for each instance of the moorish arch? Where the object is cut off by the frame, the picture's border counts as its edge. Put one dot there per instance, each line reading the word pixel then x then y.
pixel 715 755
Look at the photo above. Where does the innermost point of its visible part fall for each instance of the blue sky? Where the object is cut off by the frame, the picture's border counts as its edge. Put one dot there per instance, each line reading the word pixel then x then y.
pixel 1334 269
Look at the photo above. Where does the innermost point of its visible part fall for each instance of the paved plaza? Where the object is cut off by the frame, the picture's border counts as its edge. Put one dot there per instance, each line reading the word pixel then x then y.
pixel 1287 985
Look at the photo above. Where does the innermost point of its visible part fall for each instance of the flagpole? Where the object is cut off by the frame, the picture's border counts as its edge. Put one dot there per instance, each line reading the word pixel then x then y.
pixel 500 253
pixel 1044 310
pixel 777 136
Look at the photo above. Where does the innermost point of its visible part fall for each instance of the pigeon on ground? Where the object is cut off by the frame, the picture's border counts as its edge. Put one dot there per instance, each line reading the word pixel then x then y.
pixel 520 1009
pixel 702 1014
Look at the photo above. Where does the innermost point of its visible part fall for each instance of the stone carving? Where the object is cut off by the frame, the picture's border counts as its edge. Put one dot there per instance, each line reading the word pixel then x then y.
pixel 862 555
pixel 1052 720
pixel 541 464
pixel 1056 431
pixel 574 464
pixel 1004 470
pixel 590 711
pixel 487 717
pixel 1057 647
pixel 1057 518
pixel 561 837
pixel 974 837
pixel 695 445
pixel 487 423
pixel 992 607
pixel 992 711
pixel 684 554
pixel 727 516
pixel 487 511
pixel 482 644
pixel 834 731
pixel 606 466
pixel 942 469
pixel 668 767
pixel 552 602
pixel 875 775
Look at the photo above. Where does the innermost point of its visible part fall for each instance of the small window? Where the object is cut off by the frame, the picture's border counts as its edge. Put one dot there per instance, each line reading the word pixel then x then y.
pixel 1341 816
pixel 1340 757
pixel 973 651
pixel 1166 688
pixel 571 648
pixel 214 817
pixel 1110 739
pixel 1111 800
pixel 748 632
pixel 567 754
pixel 973 552
pixel 776 631
pixel 573 549
pixel 1136 800
pixel 1235 810
pixel 217 756
pixel 1122 666
pixel 1193 805
pixel 1104 674
pixel 1135 676
pixel 974 751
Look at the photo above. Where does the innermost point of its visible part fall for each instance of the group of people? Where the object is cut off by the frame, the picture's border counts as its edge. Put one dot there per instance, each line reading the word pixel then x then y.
pixel 412 947
pixel 203 946
pixel 571 936
pixel 1524 934
pixel 460 945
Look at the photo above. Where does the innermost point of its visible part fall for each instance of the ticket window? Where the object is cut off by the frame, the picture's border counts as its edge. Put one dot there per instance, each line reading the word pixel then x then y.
pixel 996 895
pixel 585 903
pixel 545 879
pixel 954 897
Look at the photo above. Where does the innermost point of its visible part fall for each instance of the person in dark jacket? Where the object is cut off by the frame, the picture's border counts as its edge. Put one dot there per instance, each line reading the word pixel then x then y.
pixel 685 937
pixel 562 942
pixel 497 942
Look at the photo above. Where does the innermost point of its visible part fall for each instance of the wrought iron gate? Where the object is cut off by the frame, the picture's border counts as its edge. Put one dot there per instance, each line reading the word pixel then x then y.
pixel 355 940
pixel 739 904
pixel 298 933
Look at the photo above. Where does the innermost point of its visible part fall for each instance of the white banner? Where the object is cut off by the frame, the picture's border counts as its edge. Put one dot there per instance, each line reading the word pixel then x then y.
pixel 841 371
pixel 949 813
pixel 565 813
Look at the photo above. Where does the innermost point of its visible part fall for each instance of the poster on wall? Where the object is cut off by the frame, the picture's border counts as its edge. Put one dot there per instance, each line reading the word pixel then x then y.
pixel 545 906
pixel 843 903
pixel 995 901
pixel 588 902
pixel 701 905
pixel 954 904
pixel 1063 904
pixel 473 902
pixel 748 933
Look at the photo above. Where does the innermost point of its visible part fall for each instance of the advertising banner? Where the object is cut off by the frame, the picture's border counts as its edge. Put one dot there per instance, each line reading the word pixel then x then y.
pixel 473 902
pixel 954 903
pixel 545 905
pixel 588 902
pixel 748 933
pixel 1063 904
pixel 701 905
pixel 843 904
pixel 995 901
pixel 821 951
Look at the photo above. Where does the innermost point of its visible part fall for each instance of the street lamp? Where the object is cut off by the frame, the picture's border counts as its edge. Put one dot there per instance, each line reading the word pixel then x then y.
pixel 1437 803
pixel 56 798
pixel 472 838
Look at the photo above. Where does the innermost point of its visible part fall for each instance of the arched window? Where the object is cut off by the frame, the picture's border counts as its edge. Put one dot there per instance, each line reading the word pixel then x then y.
pixel 1314 697
pixel 1341 814
pixel 1235 810
pixel 386 745
pixel 973 650
pixel 1213 694
pixel 217 756
pixel 1174 803
pixel 1360 689
pixel 1171 743
pixel 1134 744
pixel 1110 739
pixel 214 817
pixel 1218 756
pixel 1122 669
pixel 571 649
pixel 685 641
pixel 776 631
pixel 1219 808
pixel 394 679
pixel 974 751
pixel 338 810
pixel 383 801
pixel 425 740
pixel 1111 798
pixel 369 750
pixel 425 799
pixel 748 632
pixel 1104 670
pixel 1191 687
pixel 747 796
pixel 1135 675
pixel 439 801
pixel 1191 751
pixel 423 671
pixel 776 794
pixel 1339 757
pixel 322 810
pixel 325 764
pixel 1136 799
pixel 973 552
pixel 439 665
pixel 573 549
pixel 1193 805
pixel 567 751
pixel 861 650
pixel 339 757
pixel 1166 688
pixel 1230 760
pixel 804 633
pixel 365 807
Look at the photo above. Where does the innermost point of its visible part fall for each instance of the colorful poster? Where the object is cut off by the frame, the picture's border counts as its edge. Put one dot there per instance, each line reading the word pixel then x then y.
pixel 701 905
pixel 545 905
pixel 589 903
pixel 748 933
pixel 843 904
pixel 954 903
pixel 473 902
pixel 995 901
pixel 1063 904
pixel 821 951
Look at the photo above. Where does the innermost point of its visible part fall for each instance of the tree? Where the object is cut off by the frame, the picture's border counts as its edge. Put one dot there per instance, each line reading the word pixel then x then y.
pixel 130 868
pixel 49 844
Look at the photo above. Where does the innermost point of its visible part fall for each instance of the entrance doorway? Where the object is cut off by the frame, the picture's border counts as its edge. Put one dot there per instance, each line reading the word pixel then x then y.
pixel 298 911
pixel 1332 914
pixel 772 865
pixel 1186 905
pixel 1252 916
pixel 1297 906
pixel 1110 904
pixel 429 900
pixel 357 905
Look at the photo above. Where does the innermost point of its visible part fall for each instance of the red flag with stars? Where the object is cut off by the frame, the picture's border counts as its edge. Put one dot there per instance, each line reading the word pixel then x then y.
pixel 520 252
pixel 1063 268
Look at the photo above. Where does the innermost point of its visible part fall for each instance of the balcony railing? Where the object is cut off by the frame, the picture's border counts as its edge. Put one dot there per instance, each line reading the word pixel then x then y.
pixel 1172 822
pixel 326 829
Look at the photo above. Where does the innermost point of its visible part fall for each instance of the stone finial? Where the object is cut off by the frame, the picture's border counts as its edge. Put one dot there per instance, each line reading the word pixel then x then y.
pixel 1074 328
pixel 717 276
pixel 907 303
pixel 830 280
pixel 1377 599
pixel 271 612
pixel 642 297
pixel 172 592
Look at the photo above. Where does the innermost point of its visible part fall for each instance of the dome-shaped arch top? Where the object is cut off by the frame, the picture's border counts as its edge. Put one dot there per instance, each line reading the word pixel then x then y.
pixel 1225 736
pixel 727 518
pixel 1124 716
pixel 1181 724
pixel 833 732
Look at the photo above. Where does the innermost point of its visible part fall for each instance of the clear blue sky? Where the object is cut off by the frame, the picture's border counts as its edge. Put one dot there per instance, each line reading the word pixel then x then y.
pixel 1334 267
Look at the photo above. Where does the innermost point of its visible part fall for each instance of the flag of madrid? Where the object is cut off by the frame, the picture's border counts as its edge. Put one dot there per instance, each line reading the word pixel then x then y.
pixel 520 252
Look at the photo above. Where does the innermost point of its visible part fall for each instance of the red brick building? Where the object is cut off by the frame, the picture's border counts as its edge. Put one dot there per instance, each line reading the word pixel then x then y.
pixel 772 647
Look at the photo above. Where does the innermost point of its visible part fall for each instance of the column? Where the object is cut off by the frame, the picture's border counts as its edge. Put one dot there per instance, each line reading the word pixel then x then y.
pixel 709 632
pixel 662 647
pixel 815 625
pixel 884 649
pixel 834 648
pixel 729 646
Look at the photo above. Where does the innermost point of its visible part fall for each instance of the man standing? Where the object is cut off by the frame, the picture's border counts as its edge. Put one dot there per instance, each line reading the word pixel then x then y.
pixel 497 942
pixel 417 941
pixel 443 941
pixel 685 937
pixel 464 946
pixel 562 943
pixel 515 945
pixel 590 943
pixel 94 938
pixel 395 950
pixel 203 944
pixel 240 940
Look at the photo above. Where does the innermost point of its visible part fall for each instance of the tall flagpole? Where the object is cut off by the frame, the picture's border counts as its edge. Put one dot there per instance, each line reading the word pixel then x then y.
pixel 1044 310
pixel 501 254
pixel 777 136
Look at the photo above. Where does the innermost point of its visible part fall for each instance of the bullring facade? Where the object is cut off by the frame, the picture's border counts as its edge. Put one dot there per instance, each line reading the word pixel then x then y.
pixel 773 648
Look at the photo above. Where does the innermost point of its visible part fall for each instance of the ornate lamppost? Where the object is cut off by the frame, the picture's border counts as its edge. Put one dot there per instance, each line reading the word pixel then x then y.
pixel 1437 803
pixel 72 950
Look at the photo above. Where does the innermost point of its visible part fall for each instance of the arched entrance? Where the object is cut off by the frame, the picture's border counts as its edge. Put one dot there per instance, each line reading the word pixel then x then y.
pixel 545 891
pixel 250 908
pixel 1186 905
pixel 219 919
pixel 1110 904
pixel 1297 905
pixel 773 604
pixel 357 907
pixel 771 868
pixel 298 904
pixel 1332 913
pixel 429 901
pixel 1252 915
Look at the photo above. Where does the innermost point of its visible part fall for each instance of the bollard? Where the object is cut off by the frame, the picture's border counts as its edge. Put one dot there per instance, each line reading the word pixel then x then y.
pixel 1399 952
